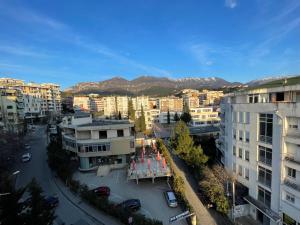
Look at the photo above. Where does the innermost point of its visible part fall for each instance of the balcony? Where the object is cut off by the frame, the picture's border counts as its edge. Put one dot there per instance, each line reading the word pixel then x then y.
pixel 292 158
pixel 291 185
pixel 293 137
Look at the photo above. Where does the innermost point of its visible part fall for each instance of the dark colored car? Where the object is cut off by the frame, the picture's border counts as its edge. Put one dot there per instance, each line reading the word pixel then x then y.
pixel 131 204
pixel 52 201
pixel 102 191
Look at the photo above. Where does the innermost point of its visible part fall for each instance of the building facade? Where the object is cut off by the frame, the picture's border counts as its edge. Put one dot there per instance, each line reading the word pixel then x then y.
pixel 204 116
pixel 260 144
pixel 171 103
pixel 98 142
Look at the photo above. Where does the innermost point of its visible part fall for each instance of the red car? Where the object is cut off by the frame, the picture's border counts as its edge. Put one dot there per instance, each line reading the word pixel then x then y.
pixel 102 191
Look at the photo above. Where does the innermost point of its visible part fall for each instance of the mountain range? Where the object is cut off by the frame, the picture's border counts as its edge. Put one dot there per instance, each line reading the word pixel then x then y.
pixel 156 86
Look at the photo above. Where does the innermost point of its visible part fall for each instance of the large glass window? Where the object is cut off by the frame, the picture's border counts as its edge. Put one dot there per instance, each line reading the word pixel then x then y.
pixel 264 176
pixel 266 128
pixel 264 196
pixel 291 172
pixel 102 134
pixel 265 155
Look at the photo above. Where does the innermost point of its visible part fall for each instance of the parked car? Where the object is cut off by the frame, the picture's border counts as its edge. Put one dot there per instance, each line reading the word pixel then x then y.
pixel 101 191
pixel 171 199
pixel 131 204
pixel 52 201
pixel 26 157
pixel 27 146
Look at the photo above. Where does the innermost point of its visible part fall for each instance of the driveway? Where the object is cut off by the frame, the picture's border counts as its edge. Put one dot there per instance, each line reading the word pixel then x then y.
pixel 151 195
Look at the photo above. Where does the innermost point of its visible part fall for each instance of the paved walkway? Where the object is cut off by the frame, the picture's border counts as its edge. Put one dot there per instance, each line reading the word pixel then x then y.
pixel 98 217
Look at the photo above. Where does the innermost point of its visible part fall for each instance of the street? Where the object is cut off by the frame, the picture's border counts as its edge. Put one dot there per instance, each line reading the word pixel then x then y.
pixel 66 211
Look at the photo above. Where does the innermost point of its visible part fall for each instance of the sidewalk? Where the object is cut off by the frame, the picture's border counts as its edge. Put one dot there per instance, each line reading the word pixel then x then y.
pixel 95 215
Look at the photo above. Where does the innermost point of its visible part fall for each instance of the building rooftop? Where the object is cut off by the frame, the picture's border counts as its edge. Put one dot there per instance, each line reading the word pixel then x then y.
pixel 105 123
pixel 203 130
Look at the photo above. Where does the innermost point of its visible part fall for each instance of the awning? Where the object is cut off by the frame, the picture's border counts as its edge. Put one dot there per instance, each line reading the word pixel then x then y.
pixel 265 210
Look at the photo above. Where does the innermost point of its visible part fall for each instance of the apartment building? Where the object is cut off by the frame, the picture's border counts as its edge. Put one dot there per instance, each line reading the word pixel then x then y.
pixel 81 103
pixel 151 116
pixel 260 144
pixel 207 97
pixel 140 101
pixel 110 106
pixel 191 100
pixel 39 99
pixel 122 105
pixel 163 117
pixel 171 103
pixel 97 104
pixel 11 110
pixel 98 142
pixel 204 116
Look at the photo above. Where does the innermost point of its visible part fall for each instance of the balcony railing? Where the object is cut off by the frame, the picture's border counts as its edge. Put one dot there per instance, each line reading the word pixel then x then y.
pixel 291 158
pixel 265 160
pixel 291 184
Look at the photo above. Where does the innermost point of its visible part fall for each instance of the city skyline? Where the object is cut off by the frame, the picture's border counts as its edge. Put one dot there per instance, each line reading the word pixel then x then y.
pixel 67 44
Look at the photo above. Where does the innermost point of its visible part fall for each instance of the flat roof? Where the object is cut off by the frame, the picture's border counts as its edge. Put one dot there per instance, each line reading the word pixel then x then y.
pixel 203 130
pixel 105 123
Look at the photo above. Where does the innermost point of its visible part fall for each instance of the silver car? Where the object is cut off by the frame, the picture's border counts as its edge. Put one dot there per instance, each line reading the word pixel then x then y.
pixel 26 157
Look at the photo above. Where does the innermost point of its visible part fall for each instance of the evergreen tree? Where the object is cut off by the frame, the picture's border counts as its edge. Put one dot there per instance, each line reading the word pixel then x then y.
pixel 186 116
pixel 176 117
pixel 142 120
pixel 119 116
pixel 168 117
pixel 131 111
pixel 39 212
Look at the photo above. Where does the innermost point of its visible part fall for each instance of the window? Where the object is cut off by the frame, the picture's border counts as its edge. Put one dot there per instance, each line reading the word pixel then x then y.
pixel 266 128
pixel 102 134
pixel 264 176
pixel 240 170
pixel 233 150
pixel 234 167
pixel 255 98
pixel 264 196
pixel 240 153
pixel 247 118
pixel 290 198
pixel 291 172
pixel 247 156
pixel 246 173
pixel 9 107
pixel 234 117
pixel 234 133
pixel 241 135
pixel 279 96
pixel 265 155
pixel 120 133
pixel 241 117
pixel 247 136
pixel 288 220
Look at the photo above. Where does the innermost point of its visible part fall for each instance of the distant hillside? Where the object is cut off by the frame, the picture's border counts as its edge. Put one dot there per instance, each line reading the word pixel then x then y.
pixel 148 85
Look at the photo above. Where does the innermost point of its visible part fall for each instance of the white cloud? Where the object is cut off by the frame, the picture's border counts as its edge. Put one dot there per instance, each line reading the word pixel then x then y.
pixel 231 3
pixel 202 53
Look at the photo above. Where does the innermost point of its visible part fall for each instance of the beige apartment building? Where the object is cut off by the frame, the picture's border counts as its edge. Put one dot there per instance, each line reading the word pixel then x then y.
pixel 122 105
pixel 151 116
pixel 11 110
pixel 110 106
pixel 171 103
pixel 208 97
pixel 140 101
pixel 81 103
pixel 98 142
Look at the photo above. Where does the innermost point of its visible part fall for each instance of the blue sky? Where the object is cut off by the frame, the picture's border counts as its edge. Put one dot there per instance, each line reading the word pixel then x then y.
pixel 73 41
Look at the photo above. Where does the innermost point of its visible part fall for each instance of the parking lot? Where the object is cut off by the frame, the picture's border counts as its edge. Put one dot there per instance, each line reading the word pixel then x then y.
pixel 151 195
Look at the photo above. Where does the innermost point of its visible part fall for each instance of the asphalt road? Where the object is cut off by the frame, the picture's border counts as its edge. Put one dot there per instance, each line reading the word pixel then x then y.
pixel 39 169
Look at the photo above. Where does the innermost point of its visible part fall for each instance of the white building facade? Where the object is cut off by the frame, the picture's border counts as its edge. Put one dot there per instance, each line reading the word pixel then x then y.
pixel 260 144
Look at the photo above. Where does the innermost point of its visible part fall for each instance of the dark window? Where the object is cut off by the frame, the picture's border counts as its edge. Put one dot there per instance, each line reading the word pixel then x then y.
pixel 255 98
pixel 280 96
pixel 264 196
pixel 102 134
pixel 9 107
pixel 266 128
pixel 265 176
pixel 291 172
pixel 120 133
pixel 265 155
pixel 288 220
pixel 240 153
pixel 247 155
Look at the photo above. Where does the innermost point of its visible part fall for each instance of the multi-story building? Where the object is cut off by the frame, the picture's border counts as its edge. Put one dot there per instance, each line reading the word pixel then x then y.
pixel 204 116
pixel 81 103
pixel 67 101
pixel 191 100
pixel 260 145
pixel 110 106
pixel 122 105
pixel 153 103
pixel 39 99
pixel 151 116
pixel 96 103
pixel 171 103
pixel 98 142
pixel 11 110
pixel 208 97
pixel 163 117
pixel 140 101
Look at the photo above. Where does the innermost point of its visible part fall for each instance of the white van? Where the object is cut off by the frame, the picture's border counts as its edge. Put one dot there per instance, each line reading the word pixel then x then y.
pixel 171 199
